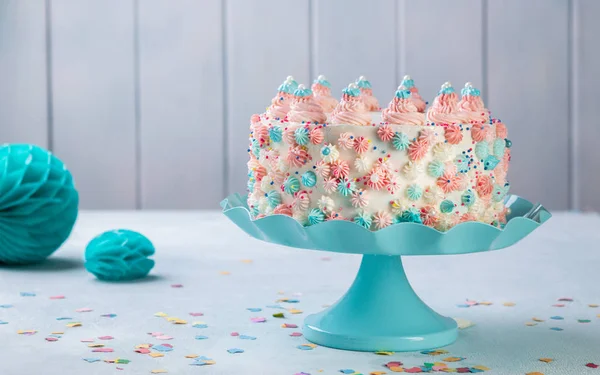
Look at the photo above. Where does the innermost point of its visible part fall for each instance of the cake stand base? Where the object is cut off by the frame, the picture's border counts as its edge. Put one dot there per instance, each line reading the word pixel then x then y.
pixel 380 312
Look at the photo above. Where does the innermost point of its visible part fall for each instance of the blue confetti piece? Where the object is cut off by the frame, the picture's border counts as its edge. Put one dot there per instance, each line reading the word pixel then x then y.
pixel 200 337
pixel 245 337
pixel 347 371
pixel 198 325
pixel 235 350
pixel 202 358
pixel 162 348
pixel 3 322
pixel 108 315
pixel 463 306
pixel 27 294
pixel 64 318
pixel 91 360
pixel 53 335
pixel 254 309
pixel 5 306
pixel 556 329
pixel 557 317
pixel 291 301
pixel 304 347
pixel 276 307
pixel 474 370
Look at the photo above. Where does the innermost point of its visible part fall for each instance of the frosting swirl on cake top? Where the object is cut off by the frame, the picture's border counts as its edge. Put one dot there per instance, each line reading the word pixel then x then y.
pixel 351 109
pixel 416 98
pixel 280 104
pixel 402 110
pixel 367 94
pixel 472 104
pixel 304 108
pixel 444 108
pixel 322 92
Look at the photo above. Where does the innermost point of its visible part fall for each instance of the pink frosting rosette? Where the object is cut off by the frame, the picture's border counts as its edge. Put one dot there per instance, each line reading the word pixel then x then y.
pixel 304 107
pixel 472 105
pixel 280 104
pixel 402 110
pixel 444 108
pixel 322 92
pixel 351 110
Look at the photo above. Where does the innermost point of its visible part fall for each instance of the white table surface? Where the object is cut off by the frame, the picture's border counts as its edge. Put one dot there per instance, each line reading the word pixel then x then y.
pixel 561 259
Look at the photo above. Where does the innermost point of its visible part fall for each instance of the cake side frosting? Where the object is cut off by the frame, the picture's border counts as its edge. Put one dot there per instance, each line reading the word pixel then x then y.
pixel 379 173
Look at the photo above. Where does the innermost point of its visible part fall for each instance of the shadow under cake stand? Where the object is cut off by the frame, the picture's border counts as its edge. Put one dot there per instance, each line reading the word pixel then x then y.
pixel 381 311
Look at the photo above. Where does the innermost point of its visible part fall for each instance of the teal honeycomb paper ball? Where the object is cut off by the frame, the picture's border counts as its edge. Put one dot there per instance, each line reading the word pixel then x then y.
pixel 38 203
pixel 119 255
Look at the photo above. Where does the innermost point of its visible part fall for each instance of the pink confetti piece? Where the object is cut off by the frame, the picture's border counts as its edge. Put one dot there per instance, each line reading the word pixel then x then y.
pixel 325 258
pixel 102 350
pixel 559 305
pixel 51 339
pixel 565 299
pixel 235 334
pixel 105 338
pixel 57 297
pixel 163 337
pixel 258 320
pixel 87 340
pixel 154 334
pixel 196 314
pixel 471 303
pixel 289 325
pixel 84 309
pixel 295 334
pixel 177 286
pixel 142 351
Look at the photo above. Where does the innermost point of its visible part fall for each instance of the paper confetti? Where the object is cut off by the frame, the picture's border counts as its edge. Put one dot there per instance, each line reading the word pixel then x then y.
pixel 27 294
pixel 556 329
pixel 235 350
pixel 534 373
pixel 5 306
pixel 531 324
pixel 295 311
pixel 453 359
pixel 27 332
pixel 64 318
pixel 463 323
pixel 289 325
pixel 102 350
pixel 347 371
pixel 234 334
pixel 200 337
pixel 546 360
pixel 177 286
pixel 163 337
pixel 74 324
pixel 254 309
pixel 95 345
pixel 384 353
pixel 84 309
pixel 196 314
pixel 593 305
pixel 557 318
pixel 565 299
pixel 108 315
pixel 509 304
pixel 191 356
pixel 306 346
pixel 199 325
pixel 158 371
pixel 558 305
pixel 258 320
pixel 91 360
pixel 538 320
pixel 105 338
pixel 245 337
pixel 160 315
pixel 434 352
pixel 57 297
pixel 3 322
pixel 224 273
pixel 163 348
pixel 592 365
pixel 296 334
pixel 156 355
pixel 583 320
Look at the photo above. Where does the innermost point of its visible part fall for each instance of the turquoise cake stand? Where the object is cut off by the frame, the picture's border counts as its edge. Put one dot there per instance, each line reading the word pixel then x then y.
pixel 381 311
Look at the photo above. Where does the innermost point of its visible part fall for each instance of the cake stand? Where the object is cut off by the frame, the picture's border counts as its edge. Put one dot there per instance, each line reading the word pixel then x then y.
pixel 381 311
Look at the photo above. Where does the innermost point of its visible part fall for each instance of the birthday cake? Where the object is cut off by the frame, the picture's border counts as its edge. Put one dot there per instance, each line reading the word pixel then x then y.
pixel 315 158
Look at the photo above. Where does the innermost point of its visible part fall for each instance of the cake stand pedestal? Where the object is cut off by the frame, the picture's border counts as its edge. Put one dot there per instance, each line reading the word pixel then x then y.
pixel 381 311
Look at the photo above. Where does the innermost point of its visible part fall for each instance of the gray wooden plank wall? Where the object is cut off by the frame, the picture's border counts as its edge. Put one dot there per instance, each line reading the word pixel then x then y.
pixel 148 101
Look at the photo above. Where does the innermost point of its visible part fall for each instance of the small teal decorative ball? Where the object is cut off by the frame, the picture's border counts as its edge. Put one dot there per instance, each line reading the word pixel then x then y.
pixel 119 255
pixel 38 203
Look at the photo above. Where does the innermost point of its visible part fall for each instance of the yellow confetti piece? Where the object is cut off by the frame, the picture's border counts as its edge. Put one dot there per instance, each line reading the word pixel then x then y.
pixel 156 355
pixel 143 346
pixel 384 353
pixel 396 369
pixel 160 315
pixel 598 315
pixel 547 360
pixel 26 331
pixel 247 261
pixel 453 359
pixel 209 362
pixel 198 323
pixel 531 324
pixel 482 368
pixel 225 273
pixel 57 333
pixel 377 373
pixel 593 305
pixel 463 323
pixel 438 352
pixel 537 320
pixel 534 373
pixel 440 364
pixel 509 304
pixel 95 345
pixel 295 311
pixel 159 371
pixel 485 303
pixel 177 320
pixel 74 324
pixel 191 356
